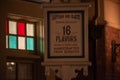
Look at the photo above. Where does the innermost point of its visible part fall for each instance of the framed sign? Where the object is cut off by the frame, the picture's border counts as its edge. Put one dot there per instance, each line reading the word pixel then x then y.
pixel 66 33
pixel 66 39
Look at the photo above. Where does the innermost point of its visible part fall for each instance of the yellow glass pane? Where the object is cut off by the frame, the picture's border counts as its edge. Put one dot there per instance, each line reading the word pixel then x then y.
pixel 12 27
pixel 21 42
pixel 30 29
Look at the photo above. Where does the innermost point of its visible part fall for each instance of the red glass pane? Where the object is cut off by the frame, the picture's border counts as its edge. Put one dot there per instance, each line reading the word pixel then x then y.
pixel 21 28
pixel 6 27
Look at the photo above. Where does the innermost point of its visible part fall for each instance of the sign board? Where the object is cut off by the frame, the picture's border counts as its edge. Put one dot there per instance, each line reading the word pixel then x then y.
pixel 66 33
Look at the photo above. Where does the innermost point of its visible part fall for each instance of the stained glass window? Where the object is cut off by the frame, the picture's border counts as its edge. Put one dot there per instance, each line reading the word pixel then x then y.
pixel 21 28
pixel 30 29
pixel 13 42
pixel 30 43
pixel 21 43
pixel 12 27
pixel 20 35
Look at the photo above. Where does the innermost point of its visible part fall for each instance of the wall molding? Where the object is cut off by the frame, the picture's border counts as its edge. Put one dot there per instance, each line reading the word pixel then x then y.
pixel 115 1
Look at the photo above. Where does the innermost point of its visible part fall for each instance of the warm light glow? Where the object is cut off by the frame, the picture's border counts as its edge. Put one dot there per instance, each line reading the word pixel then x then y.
pixel 12 63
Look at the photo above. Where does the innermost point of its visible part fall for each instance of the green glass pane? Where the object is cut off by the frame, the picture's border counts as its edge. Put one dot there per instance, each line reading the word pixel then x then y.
pixel 41 45
pixel 30 43
pixel 13 42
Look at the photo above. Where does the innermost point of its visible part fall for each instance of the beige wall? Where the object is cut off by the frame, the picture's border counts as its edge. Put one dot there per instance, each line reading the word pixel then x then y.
pixel 112 13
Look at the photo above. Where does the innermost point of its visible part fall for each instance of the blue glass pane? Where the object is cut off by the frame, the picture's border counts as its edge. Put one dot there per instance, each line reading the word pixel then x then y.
pixel 30 43
pixel 13 42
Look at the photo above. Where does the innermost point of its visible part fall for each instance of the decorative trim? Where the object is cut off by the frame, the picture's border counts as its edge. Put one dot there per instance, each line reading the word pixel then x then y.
pixel 70 70
pixel 115 1
pixel 65 1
